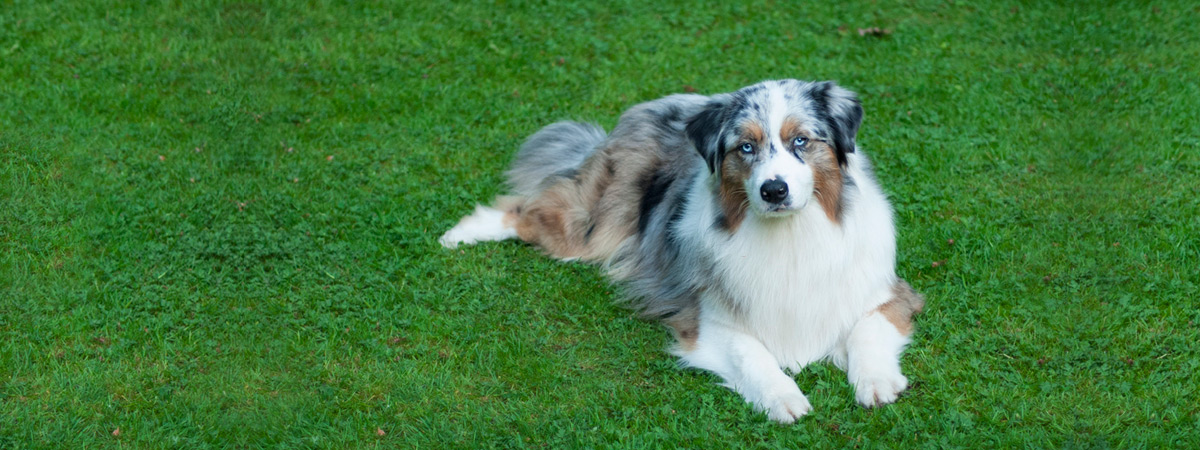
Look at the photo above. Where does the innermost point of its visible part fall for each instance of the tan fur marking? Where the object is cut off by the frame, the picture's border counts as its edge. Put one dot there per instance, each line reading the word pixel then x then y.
pixel 827 174
pixel 827 178
pixel 904 304
pixel 686 327
pixel 753 133
pixel 543 221
pixel 790 129
pixel 732 194
pixel 511 205
pixel 589 215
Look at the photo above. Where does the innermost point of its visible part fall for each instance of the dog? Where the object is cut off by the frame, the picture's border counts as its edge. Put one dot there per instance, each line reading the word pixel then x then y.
pixel 749 222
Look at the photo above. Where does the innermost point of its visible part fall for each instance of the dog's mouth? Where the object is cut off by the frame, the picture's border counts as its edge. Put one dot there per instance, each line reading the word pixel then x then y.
pixel 782 209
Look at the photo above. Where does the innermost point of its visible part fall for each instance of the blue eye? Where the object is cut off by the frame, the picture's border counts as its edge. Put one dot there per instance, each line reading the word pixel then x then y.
pixel 747 148
pixel 799 142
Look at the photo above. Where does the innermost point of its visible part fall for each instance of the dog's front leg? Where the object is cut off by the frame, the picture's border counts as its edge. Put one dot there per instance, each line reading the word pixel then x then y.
pixel 873 360
pixel 874 346
pixel 748 368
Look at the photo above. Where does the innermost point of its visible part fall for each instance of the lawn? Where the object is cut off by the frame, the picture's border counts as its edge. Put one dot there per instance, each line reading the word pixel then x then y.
pixel 219 222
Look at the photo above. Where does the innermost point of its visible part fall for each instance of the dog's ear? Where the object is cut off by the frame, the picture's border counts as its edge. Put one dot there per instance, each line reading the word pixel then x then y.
pixel 704 129
pixel 842 113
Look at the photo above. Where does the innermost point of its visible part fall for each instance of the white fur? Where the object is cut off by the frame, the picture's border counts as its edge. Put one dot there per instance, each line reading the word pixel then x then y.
pixel 873 360
pixel 803 289
pixel 485 224
pixel 778 110
pixel 747 367
pixel 784 166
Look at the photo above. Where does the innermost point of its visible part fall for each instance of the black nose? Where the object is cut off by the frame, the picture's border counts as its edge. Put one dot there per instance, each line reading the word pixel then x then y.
pixel 774 191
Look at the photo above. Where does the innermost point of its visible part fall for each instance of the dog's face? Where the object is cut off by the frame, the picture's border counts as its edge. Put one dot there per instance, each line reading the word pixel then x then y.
pixel 778 146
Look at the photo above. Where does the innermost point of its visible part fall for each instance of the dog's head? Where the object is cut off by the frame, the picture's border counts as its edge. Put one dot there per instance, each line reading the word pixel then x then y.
pixel 778 145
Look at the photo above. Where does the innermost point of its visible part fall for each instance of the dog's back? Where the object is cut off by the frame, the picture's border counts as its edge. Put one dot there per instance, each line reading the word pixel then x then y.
pixel 580 195
pixel 555 152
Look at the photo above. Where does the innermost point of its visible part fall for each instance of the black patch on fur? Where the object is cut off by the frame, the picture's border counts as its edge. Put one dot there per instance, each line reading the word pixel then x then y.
pixel 842 123
pixel 587 235
pixel 569 173
pixel 741 97
pixel 820 99
pixel 704 130
pixel 742 102
pixel 654 187
pixel 667 120
pixel 677 208
pixel 739 102
pixel 674 218
pixel 722 222
pixel 610 166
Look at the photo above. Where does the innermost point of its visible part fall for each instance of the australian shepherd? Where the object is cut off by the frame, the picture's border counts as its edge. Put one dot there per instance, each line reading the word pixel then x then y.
pixel 748 222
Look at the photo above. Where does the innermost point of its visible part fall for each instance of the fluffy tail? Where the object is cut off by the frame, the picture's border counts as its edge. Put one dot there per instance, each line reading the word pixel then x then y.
pixel 553 152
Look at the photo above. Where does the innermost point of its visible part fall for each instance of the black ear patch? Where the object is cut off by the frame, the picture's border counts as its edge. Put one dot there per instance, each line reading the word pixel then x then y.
pixel 704 129
pixel 841 112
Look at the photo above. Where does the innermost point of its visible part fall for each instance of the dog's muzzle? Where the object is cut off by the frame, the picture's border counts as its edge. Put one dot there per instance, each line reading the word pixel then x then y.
pixel 774 191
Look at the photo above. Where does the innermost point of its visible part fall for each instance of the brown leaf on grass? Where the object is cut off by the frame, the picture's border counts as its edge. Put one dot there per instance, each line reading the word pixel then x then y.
pixel 116 432
pixel 379 432
pixel 939 263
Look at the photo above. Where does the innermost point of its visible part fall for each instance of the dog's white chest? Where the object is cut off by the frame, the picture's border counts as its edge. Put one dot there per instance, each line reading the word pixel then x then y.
pixel 799 284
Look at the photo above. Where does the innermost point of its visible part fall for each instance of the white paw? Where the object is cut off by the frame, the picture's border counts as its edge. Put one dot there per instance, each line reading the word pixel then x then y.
pixel 879 389
pixel 454 237
pixel 485 224
pixel 787 408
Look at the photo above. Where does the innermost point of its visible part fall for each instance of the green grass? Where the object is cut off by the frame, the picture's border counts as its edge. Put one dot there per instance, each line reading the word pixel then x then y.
pixel 218 223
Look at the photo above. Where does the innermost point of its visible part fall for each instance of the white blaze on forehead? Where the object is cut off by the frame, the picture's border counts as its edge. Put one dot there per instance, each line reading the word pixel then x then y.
pixel 782 165
pixel 777 112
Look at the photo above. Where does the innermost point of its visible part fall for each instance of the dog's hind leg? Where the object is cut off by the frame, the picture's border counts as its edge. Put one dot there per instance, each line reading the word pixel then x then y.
pixel 494 223
pixel 555 220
